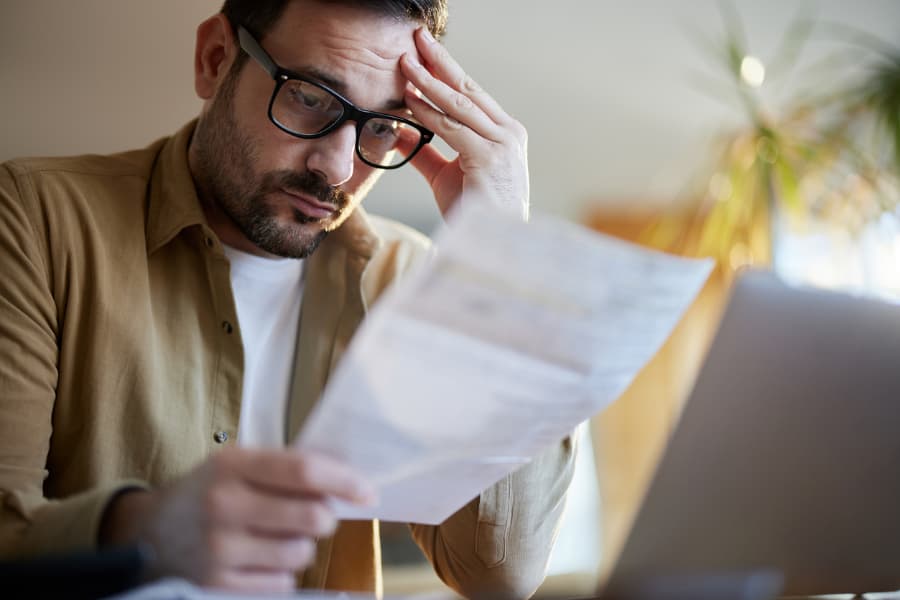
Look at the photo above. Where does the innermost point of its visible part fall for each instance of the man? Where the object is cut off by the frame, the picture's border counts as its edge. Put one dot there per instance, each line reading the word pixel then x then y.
pixel 151 302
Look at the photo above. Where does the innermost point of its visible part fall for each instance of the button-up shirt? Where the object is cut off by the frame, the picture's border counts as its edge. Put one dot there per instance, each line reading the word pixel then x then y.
pixel 121 365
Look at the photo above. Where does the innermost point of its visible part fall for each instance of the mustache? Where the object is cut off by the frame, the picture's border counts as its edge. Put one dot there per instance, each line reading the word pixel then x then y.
pixel 308 183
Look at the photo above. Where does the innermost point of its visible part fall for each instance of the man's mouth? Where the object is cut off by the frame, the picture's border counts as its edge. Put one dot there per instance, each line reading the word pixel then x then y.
pixel 309 206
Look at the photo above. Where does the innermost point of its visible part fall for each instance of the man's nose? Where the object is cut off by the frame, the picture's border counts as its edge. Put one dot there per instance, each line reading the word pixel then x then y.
pixel 332 156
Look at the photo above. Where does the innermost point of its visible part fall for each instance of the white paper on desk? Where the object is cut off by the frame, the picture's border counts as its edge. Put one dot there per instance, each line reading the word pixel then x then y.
pixel 485 355
pixel 180 589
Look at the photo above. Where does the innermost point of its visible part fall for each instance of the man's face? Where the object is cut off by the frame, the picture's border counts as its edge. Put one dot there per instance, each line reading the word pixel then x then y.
pixel 284 193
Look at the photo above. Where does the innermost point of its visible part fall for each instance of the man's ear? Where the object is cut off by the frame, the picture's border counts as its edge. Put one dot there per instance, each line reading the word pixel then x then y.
pixel 214 54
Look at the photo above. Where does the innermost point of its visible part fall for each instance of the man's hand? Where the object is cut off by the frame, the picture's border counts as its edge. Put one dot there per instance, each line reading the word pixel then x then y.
pixel 244 520
pixel 492 164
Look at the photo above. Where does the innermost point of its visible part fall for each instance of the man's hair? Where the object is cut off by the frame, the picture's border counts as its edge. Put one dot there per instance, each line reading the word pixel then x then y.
pixel 259 16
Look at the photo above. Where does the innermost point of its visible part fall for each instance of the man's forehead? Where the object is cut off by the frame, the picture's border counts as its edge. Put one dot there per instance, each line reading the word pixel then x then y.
pixel 345 31
pixel 346 47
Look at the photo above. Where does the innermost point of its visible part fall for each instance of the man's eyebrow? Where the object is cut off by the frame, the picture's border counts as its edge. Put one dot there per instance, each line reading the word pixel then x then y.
pixel 341 87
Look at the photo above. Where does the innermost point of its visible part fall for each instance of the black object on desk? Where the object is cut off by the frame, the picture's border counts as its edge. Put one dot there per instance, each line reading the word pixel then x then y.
pixel 78 575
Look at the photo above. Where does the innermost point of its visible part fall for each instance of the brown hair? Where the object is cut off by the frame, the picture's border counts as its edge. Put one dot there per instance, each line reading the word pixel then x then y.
pixel 259 16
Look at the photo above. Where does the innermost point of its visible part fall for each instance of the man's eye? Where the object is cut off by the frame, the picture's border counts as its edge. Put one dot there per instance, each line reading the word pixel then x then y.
pixel 382 128
pixel 307 97
pixel 309 101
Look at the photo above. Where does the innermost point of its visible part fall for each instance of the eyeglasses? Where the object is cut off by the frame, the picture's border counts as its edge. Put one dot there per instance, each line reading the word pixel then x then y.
pixel 307 109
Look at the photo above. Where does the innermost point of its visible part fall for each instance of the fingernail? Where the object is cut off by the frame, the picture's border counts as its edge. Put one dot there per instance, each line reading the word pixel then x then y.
pixel 428 37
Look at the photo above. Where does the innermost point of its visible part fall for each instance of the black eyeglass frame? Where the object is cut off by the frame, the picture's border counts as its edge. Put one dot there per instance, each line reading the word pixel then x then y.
pixel 350 111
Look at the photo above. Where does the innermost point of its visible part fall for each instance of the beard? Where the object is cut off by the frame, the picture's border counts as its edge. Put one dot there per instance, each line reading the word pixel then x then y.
pixel 225 158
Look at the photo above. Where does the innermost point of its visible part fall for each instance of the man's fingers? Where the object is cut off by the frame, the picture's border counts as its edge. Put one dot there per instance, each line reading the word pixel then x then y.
pixel 445 68
pixel 270 513
pixel 457 105
pixel 458 135
pixel 293 472
pixel 236 549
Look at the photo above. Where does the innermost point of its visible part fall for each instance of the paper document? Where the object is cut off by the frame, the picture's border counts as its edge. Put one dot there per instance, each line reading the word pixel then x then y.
pixel 495 348
pixel 179 589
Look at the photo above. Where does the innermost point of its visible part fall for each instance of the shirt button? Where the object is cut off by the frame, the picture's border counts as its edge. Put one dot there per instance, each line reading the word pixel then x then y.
pixel 221 437
pixel 226 326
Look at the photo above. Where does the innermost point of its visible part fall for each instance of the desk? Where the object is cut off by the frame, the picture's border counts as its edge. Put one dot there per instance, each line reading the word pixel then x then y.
pixel 760 585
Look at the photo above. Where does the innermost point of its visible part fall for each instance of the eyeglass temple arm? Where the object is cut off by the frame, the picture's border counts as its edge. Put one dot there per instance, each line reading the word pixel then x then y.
pixel 252 47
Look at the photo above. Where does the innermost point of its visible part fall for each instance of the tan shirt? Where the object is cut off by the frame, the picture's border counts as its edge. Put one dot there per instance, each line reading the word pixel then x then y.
pixel 121 365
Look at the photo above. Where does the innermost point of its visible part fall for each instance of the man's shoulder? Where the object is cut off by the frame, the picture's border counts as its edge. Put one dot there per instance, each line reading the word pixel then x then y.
pixel 401 248
pixel 395 232
pixel 133 163
pixel 75 198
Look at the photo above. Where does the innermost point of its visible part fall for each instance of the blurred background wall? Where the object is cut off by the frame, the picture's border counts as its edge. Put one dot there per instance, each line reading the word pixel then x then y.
pixel 606 89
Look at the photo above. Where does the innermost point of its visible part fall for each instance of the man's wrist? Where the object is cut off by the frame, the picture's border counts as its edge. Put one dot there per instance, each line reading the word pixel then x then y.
pixel 123 517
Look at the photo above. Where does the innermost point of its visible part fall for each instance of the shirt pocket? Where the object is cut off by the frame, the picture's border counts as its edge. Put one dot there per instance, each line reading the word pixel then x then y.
pixel 492 529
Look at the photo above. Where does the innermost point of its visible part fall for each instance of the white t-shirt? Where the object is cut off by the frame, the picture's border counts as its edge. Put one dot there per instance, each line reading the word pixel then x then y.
pixel 267 294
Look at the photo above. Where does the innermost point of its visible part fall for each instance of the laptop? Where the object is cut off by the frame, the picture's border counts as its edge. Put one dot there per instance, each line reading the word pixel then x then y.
pixel 783 472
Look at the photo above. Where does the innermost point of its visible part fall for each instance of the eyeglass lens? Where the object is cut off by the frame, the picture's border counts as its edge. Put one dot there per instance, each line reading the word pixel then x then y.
pixel 308 109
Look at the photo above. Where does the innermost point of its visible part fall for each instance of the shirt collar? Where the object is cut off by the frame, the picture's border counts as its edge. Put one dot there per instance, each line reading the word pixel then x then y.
pixel 173 204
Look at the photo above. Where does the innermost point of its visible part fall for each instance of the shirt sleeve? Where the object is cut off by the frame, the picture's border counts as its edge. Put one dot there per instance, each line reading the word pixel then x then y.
pixel 498 545
pixel 30 524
